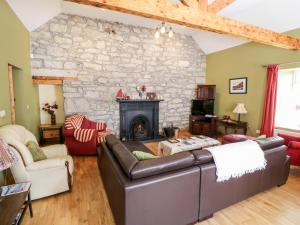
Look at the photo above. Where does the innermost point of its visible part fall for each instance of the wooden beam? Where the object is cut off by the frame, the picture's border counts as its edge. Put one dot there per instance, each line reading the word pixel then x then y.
pixel 50 79
pixel 203 5
pixel 218 5
pixel 190 3
pixel 194 18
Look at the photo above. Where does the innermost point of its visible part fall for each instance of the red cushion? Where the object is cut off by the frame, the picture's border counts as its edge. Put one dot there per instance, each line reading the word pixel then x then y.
pixel 294 144
pixel 236 138
pixel 295 156
pixel 287 138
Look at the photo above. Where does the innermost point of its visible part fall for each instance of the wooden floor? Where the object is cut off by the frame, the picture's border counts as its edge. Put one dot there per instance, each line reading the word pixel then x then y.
pixel 87 203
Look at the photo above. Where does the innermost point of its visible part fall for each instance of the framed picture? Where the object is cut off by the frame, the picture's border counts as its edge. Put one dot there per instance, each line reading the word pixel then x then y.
pixel 238 85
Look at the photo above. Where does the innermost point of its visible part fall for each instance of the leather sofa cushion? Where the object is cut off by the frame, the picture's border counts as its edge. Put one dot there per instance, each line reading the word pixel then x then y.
pixel 111 140
pixel 162 165
pixel 137 146
pixel 271 142
pixel 202 157
pixel 124 157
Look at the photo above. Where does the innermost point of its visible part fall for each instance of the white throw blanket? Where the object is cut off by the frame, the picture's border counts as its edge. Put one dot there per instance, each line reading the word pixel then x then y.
pixel 237 159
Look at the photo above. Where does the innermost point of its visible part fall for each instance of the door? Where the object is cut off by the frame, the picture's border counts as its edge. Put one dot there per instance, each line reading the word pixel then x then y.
pixel 11 94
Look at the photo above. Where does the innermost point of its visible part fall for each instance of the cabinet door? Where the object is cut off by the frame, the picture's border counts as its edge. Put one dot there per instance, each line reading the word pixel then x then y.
pixel 202 92
pixel 211 92
pixel 206 129
pixel 206 92
pixel 196 128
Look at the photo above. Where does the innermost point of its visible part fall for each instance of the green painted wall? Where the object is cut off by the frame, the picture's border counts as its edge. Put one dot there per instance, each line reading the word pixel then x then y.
pixel 15 50
pixel 245 61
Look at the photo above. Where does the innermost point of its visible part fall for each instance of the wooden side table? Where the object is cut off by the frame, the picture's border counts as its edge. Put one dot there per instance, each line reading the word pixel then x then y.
pixel 13 208
pixel 51 133
pixel 234 124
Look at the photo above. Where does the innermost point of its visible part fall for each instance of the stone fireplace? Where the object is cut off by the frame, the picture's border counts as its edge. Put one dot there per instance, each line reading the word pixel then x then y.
pixel 139 119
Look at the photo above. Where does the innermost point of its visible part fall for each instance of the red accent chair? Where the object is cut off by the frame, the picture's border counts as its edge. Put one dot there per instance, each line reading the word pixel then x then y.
pixel 293 144
pixel 82 148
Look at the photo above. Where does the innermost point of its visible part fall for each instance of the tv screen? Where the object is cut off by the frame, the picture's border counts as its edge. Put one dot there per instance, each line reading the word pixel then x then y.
pixel 203 107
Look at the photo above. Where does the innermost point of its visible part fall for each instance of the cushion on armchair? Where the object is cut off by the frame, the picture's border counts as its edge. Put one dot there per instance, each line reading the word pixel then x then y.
pixel 294 144
pixel 35 150
pixel 287 138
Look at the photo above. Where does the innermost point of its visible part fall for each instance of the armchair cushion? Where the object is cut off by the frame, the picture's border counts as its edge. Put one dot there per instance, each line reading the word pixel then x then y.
pixel 53 151
pixel 51 163
pixel 294 144
pixel 36 151
pixel 287 138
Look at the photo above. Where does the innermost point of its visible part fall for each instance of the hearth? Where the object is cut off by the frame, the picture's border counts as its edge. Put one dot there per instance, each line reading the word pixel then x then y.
pixel 139 119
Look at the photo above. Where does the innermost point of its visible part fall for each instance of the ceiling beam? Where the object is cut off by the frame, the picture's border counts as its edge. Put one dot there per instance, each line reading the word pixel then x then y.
pixel 218 5
pixel 194 18
pixel 203 4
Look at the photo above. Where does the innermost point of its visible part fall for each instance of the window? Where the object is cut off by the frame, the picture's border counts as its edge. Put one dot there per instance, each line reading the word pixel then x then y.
pixel 288 100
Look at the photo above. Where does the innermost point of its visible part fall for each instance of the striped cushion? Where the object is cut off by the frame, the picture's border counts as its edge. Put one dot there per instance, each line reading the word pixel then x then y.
pixel 101 126
pixel 102 135
pixel 83 135
pixel 74 122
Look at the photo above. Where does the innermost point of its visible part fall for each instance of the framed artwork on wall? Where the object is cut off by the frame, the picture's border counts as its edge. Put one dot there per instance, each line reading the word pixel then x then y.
pixel 238 85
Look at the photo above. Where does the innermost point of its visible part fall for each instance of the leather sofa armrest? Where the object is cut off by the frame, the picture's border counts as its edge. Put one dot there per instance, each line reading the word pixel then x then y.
pixel 294 144
pixel 202 156
pixel 271 142
pixel 157 166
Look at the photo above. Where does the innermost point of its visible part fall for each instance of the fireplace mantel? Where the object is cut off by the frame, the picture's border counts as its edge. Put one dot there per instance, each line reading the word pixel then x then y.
pixel 139 108
pixel 139 100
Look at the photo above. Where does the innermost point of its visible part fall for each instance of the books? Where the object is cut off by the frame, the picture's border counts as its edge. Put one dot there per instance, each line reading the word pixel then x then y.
pixel 14 189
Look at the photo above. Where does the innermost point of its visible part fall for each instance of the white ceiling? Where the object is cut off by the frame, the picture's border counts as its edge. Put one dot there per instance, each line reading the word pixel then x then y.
pixel 277 15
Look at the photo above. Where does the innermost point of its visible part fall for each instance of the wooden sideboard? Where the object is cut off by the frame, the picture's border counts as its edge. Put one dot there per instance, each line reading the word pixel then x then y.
pixel 51 133
pixel 201 125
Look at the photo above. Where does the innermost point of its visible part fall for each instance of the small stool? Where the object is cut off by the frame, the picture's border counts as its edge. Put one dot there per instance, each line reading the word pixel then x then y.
pixel 232 138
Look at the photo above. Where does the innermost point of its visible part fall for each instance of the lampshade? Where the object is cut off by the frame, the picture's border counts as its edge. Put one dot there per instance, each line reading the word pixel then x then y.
pixel 240 108
pixel 7 157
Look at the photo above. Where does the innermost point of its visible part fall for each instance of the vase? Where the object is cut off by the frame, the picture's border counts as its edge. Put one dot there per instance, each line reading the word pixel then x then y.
pixel 53 119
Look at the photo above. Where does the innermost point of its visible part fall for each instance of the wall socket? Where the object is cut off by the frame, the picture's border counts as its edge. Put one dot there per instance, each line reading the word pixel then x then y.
pixel 257 131
pixel 2 113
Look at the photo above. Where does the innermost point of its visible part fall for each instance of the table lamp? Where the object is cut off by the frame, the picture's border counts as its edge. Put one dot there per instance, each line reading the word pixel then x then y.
pixel 7 158
pixel 240 109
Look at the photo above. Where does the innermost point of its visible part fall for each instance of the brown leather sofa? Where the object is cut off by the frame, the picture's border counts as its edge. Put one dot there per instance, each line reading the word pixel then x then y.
pixel 180 189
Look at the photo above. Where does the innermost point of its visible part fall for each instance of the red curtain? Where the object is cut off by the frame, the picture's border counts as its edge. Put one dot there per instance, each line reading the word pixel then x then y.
pixel 268 119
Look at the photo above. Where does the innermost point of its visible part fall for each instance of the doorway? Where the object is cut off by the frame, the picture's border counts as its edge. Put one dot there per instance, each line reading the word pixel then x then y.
pixel 15 87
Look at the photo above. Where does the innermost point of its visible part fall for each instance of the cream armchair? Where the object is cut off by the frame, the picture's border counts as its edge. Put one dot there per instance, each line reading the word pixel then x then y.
pixel 48 177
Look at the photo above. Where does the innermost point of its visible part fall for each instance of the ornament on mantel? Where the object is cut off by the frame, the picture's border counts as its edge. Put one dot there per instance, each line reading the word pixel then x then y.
pixel 121 95
pixel 141 90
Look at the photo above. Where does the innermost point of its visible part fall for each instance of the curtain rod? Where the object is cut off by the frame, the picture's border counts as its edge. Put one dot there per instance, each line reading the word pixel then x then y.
pixel 280 64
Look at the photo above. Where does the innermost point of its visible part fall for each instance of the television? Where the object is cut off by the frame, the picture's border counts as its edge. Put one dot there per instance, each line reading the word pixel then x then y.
pixel 203 107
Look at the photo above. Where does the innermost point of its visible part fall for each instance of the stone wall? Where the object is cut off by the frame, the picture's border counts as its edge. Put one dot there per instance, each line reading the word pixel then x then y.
pixel 107 56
